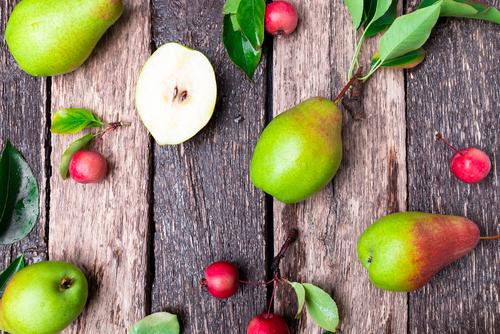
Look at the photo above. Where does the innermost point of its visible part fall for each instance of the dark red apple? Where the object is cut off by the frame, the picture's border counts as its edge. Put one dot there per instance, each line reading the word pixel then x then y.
pixel 281 18
pixel 88 167
pixel 470 165
pixel 268 323
pixel 221 279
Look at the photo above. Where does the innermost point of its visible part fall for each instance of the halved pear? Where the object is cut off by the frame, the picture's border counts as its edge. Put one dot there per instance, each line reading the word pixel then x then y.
pixel 176 93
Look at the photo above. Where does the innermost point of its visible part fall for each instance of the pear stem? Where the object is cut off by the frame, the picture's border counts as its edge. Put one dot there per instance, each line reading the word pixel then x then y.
pixel 345 89
pixel 490 237
pixel 439 136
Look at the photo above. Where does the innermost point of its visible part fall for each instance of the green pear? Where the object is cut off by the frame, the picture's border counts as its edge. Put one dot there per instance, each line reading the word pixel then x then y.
pixel 300 151
pixel 43 298
pixel 403 251
pixel 51 37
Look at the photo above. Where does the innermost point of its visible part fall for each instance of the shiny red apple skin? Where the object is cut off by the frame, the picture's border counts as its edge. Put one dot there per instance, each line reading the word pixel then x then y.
pixel 281 18
pixel 268 323
pixel 88 167
pixel 470 165
pixel 222 279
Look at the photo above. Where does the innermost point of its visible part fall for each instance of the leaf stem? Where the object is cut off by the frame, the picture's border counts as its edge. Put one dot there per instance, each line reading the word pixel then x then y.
pixel 355 57
pixel 373 69
pixel 345 89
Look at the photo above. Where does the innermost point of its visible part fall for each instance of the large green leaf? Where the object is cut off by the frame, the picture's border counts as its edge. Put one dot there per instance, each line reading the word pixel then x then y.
pixel 384 21
pixel 321 307
pixel 8 273
pixel 250 15
pixel 466 8
pixel 301 297
pixel 355 8
pixel 157 323
pixel 231 6
pixel 73 120
pixel 239 48
pixel 74 147
pixel 19 198
pixel 408 32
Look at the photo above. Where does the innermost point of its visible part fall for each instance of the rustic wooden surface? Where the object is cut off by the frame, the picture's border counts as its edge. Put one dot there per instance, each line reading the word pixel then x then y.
pixel 206 208
pixel 370 183
pixel 456 91
pixel 145 234
pixel 103 228
pixel 23 122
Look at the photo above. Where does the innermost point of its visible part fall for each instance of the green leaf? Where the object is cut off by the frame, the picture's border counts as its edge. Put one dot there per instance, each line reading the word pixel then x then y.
pixel 231 6
pixel 67 121
pixel 466 8
pixel 157 323
pixel 8 273
pixel 409 60
pixel 373 10
pixel 19 198
pixel 301 297
pixel 250 17
pixel 355 8
pixel 408 32
pixel 384 21
pixel 321 307
pixel 239 48
pixel 74 147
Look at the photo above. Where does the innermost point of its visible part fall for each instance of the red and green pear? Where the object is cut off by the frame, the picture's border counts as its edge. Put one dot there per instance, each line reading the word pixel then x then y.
pixel 300 151
pixel 403 251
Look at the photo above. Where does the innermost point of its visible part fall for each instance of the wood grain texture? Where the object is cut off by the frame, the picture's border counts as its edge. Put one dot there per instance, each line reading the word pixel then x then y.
pixel 103 228
pixel 205 207
pixel 455 91
pixel 371 182
pixel 23 122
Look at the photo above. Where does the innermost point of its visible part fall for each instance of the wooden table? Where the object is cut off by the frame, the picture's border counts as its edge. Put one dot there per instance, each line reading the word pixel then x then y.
pixel 144 236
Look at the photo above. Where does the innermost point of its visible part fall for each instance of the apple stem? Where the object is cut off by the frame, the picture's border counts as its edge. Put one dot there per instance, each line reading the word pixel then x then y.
pixel 346 88
pixel 275 266
pixel 490 237
pixel 275 285
pixel 111 127
pixel 439 136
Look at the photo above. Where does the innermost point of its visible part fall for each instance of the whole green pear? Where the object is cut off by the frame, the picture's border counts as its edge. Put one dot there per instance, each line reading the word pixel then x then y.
pixel 300 151
pixel 43 298
pixel 51 37
pixel 403 251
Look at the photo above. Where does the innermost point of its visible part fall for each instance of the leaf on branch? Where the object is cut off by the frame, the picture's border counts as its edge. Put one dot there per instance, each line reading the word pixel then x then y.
pixel 321 307
pixel 72 120
pixel 19 197
pixel 301 297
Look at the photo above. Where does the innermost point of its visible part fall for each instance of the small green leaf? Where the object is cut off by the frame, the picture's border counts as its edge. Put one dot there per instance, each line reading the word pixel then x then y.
pixel 466 8
pixel 239 48
pixel 381 8
pixel 231 6
pixel 301 297
pixel 384 21
pixel 250 17
pixel 8 273
pixel 74 147
pixel 67 121
pixel 19 198
pixel 321 307
pixel 355 8
pixel 408 32
pixel 157 323
pixel 406 61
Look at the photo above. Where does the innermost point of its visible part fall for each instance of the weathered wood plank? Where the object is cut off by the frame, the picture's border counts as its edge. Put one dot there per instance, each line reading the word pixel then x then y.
pixel 371 182
pixel 23 121
pixel 456 92
pixel 205 207
pixel 103 228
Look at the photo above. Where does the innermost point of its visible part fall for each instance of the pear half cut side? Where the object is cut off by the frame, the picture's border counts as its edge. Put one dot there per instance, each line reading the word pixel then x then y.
pixel 176 93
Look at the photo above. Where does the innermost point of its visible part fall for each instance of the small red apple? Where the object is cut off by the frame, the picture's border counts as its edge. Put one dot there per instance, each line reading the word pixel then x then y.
pixel 281 18
pixel 470 165
pixel 268 323
pixel 88 167
pixel 221 279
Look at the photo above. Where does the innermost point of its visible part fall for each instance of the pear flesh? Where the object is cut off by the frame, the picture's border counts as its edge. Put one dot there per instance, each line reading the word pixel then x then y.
pixel 300 151
pixel 176 93
pixel 51 37
pixel 43 298
pixel 403 251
